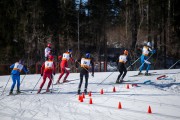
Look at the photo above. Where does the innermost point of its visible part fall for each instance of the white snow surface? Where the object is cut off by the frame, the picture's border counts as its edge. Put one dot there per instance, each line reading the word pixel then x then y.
pixel 163 96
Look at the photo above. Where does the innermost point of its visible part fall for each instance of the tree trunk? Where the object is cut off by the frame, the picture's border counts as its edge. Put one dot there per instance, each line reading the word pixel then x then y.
pixel 134 24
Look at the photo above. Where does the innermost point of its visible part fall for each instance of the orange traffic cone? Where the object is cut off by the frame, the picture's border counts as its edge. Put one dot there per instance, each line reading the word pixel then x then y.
pixel 102 92
pixel 114 89
pixel 119 106
pixel 89 93
pixel 127 86
pixel 83 96
pixel 149 110
pixel 90 101
pixel 81 99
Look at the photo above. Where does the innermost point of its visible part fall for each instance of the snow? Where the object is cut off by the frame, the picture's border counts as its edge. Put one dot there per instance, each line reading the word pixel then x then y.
pixel 62 104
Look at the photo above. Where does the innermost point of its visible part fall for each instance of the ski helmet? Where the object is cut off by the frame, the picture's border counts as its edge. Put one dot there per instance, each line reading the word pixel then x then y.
pixel 21 61
pixel 87 55
pixel 51 57
pixel 125 52
pixel 49 44
pixel 70 50
pixel 148 44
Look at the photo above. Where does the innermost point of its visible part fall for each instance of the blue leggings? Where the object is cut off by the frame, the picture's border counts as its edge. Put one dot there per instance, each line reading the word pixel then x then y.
pixel 14 79
pixel 143 63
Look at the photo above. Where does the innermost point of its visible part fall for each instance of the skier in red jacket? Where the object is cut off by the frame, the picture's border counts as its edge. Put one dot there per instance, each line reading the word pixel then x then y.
pixel 64 65
pixel 47 69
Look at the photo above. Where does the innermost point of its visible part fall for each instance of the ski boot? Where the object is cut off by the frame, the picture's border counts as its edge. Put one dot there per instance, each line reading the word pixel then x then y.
pixel 85 91
pixel 39 91
pixel 64 81
pixel 18 91
pixel 139 73
pixel 11 92
pixel 79 92
pixel 47 90
pixel 121 81
pixel 117 81
pixel 57 82
pixel 147 74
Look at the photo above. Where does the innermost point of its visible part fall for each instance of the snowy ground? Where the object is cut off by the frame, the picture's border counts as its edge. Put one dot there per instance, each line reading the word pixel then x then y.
pixel 161 95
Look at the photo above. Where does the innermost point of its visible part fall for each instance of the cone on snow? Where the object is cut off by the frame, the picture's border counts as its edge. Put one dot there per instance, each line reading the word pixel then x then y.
pixel 114 89
pixel 83 96
pixel 79 98
pixel 89 93
pixel 102 92
pixel 90 101
pixel 119 105
pixel 149 110
pixel 127 86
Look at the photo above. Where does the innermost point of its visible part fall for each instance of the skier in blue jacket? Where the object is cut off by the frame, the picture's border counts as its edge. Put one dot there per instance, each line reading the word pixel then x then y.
pixel 15 74
pixel 144 58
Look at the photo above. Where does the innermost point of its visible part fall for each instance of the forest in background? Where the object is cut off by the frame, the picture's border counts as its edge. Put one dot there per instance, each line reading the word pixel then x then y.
pixel 26 26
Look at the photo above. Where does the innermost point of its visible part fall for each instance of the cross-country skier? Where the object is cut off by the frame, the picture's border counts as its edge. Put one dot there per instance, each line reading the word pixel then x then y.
pixel 64 65
pixel 121 66
pixel 145 53
pixel 15 74
pixel 47 51
pixel 47 69
pixel 85 63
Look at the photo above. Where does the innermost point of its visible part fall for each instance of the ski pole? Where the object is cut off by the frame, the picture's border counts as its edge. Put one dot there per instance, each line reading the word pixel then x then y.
pixel 36 84
pixel 105 78
pixel 133 62
pixel 6 85
pixel 146 59
pixel 83 67
pixel 23 79
pixel 174 64
pixel 52 83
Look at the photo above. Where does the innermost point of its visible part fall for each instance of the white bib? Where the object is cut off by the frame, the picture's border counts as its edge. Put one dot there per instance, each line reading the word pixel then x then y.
pixel 18 66
pixel 48 64
pixel 123 58
pixel 85 62
pixel 66 56
pixel 145 51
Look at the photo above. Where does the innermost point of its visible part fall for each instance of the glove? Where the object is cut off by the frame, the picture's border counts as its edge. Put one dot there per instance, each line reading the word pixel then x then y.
pixel 92 74
pixel 41 74
pixel 27 71
pixel 67 68
pixel 153 51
